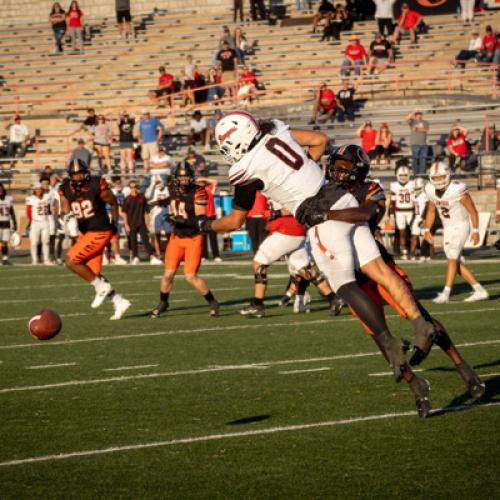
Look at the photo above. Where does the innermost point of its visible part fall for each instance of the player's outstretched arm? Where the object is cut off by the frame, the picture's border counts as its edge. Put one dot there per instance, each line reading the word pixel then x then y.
pixel 363 213
pixel 469 205
pixel 429 221
pixel 316 142
pixel 231 222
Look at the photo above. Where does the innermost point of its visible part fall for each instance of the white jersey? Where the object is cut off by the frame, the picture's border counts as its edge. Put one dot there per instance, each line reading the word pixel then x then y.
pixel 157 196
pixel 403 195
pixel 288 174
pixel 451 210
pixel 419 203
pixel 5 209
pixel 40 208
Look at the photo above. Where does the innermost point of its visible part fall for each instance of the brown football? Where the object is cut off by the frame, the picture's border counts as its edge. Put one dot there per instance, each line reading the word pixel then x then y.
pixel 45 324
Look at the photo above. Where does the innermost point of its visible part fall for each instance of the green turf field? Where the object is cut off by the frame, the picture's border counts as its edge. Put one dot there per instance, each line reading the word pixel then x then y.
pixel 187 406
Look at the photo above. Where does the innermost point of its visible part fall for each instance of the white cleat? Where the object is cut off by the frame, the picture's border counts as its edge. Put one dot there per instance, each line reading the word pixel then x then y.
pixel 101 293
pixel 441 298
pixel 217 259
pixel 105 260
pixel 155 261
pixel 299 306
pixel 121 305
pixel 48 263
pixel 135 261
pixel 307 298
pixel 480 294
pixel 119 261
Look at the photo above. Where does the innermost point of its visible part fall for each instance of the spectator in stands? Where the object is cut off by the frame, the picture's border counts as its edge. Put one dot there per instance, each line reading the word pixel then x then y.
pixel 490 44
pixel 126 137
pixel 57 19
pixel 457 147
pixel 212 122
pixel 472 52
pixel 81 153
pixel 19 138
pixel 248 86
pixel 238 6
pixel 368 136
pixel 256 221
pixel 355 57
pixel 90 122
pixel 408 22
pixel 227 62
pixel 158 197
pixel 240 54
pixel 325 11
pixel 324 103
pixel 197 162
pixel 189 81
pixel 302 4
pixel 198 129
pixel 123 18
pixel 134 219
pixel 257 6
pixel 467 8
pixel 490 139
pixel 384 15
pixel 384 144
pixel 164 89
pixel 162 161
pixel 75 24
pixel 214 78
pixel 345 102
pixel 150 133
pixel 381 55
pixel 103 137
pixel 210 186
pixel 418 141
pixel 335 23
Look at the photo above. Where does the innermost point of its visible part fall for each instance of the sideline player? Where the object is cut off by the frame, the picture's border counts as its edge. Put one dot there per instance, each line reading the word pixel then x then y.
pixel 401 203
pixel 38 211
pixel 420 204
pixel 7 222
pixel 268 156
pixel 187 204
pixel 86 197
pixel 454 204
pixel 346 170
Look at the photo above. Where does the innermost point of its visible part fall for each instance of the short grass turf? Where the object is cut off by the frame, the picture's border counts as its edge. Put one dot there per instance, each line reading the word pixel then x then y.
pixel 187 406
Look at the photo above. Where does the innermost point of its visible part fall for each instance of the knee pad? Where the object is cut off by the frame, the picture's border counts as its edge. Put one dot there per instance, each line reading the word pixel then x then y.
pixel 260 274
pixel 314 275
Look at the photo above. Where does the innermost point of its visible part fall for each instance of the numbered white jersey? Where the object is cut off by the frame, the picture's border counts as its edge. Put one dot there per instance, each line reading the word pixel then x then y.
pixel 403 195
pixel 419 204
pixel 5 208
pixel 159 195
pixel 288 174
pixel 451 210
pixel 40 207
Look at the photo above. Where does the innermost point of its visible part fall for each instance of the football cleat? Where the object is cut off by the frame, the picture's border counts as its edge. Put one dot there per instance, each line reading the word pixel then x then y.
pixel 253 310
pixel 158 310
pixel 284 301
pixel 479 294
pixel 423 343
pixel 119 261
pixel 421 389
pixel 475 385
pixel 213 309
pixel 441 298
pixel 101 292
pixel 336 306
pixel 121 305
pixel 396 350
pixel 155 261
pixel 299 305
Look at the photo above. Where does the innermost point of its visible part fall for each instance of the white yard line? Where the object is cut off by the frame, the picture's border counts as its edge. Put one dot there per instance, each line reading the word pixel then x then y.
pixel 124 368
pixel 488 375
pixel 383 374
pixel 232 435
pixel 320 369
pixel 254 325
pixel 54 365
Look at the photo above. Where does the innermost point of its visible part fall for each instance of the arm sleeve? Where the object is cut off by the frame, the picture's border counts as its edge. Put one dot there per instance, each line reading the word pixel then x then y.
pixel 244 195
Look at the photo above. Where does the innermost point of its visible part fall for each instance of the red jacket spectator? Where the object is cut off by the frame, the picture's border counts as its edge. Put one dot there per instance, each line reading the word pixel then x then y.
pixel 355 51
pixel 409 19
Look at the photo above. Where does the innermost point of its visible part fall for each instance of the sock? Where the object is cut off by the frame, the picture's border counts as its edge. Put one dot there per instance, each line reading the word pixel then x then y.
pixel 209 297
pixel 164 297
pixel 115 297
pixel 96 282
pixel 289 294
pixel 447 290
pixel 330 297
pixel 258 302
pixel 477 286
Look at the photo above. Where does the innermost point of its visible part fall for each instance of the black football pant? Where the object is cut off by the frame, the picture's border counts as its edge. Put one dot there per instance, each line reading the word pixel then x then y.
pixel 256 227
pixel 132 239
pixel 211 237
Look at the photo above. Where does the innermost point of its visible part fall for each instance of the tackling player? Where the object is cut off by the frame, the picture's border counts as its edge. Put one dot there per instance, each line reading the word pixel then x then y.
pixel 454 204
pixel 86 197
pixel 187 205
pixel 7 222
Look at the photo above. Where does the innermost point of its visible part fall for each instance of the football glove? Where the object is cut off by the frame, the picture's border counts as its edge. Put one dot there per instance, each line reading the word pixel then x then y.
pixel 204 224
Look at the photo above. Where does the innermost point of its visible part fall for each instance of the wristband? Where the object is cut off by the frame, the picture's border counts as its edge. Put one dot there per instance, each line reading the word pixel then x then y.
pixel 427 230
pixel 475 230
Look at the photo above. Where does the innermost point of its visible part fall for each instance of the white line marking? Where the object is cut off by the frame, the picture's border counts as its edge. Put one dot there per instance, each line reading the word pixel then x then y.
pixel 321 369
pixel 258 325
pixel 123 368
pixel 55 365
pixel 383 374
pixel 486 375
pixel 230 435
pixel 210 369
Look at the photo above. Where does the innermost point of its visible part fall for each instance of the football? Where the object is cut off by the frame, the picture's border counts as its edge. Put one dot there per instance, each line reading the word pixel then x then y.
pixel 45 324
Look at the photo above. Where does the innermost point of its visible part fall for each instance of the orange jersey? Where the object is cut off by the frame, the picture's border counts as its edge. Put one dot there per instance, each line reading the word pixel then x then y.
pixel 183 208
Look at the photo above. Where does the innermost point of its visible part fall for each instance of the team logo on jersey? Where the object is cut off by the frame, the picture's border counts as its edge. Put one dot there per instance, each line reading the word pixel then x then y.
pixel 225 135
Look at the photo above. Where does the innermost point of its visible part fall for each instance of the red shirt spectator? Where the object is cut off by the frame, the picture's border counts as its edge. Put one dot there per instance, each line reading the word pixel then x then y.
pixel 490 43
pixel 327 99
pixel 412 18
pixel 260 206
pixel 459 144
pixel 355 51
pixel 247 77
pixel 209 188
pixel 166 80
pixel 368 136
pixel 74 18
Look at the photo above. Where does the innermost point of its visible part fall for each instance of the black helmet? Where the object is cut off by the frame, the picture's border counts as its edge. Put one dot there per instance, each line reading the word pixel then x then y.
pixel 184 169
pixel 353 154
pixel 75 167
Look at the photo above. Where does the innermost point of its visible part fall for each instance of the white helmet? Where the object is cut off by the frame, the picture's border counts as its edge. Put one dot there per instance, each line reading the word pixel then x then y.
pixel 418 185
pixel 439 169
pixel 15 240
pixel 234 133
pixel 403 174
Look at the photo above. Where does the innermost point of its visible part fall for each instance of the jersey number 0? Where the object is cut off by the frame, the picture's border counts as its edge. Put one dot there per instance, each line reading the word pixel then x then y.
pixel 285 153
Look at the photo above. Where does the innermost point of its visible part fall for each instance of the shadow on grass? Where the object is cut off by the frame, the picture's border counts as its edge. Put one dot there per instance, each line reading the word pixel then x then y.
pixel 249 420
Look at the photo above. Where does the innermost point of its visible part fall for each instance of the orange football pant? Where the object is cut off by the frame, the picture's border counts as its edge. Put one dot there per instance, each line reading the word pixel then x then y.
pixel 89 249
pixel 188 250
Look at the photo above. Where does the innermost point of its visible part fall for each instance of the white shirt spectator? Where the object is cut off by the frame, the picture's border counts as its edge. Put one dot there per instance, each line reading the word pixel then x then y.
pixel 475 43
pixel 198 126
pixel 384 9
pixel 158 161
pixel 18 133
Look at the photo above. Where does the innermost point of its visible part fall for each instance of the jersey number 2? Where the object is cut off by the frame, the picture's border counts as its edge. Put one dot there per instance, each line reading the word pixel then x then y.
pixel 82 209
pixel 285 153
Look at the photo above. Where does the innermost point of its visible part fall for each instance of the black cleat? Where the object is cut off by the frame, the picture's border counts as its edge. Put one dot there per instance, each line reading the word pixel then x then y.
pixel 395 350
pixel 253 311
pixel 6 262
pixel 476 386
pixel 285 301
pixel 213 309
pixel 421 389
pixel 336 306
pixel 424 338
pixel 158 310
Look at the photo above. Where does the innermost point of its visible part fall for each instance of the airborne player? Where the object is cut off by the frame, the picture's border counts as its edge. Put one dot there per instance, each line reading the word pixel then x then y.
pixel 187 205
pixel 86 197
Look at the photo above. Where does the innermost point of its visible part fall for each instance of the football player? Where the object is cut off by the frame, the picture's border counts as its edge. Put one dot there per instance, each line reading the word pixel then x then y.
pixel 419 206
pixel 86 197
pixel 269 156
pixel 158 198
pixel 347 170
pixel 8 222
pixel 187 205
pixel 401 202
pixel 38 211
pixel 455 206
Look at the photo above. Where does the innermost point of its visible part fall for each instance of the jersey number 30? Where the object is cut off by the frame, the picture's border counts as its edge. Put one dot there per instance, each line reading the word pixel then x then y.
pixel 285 153
pixel 82 209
